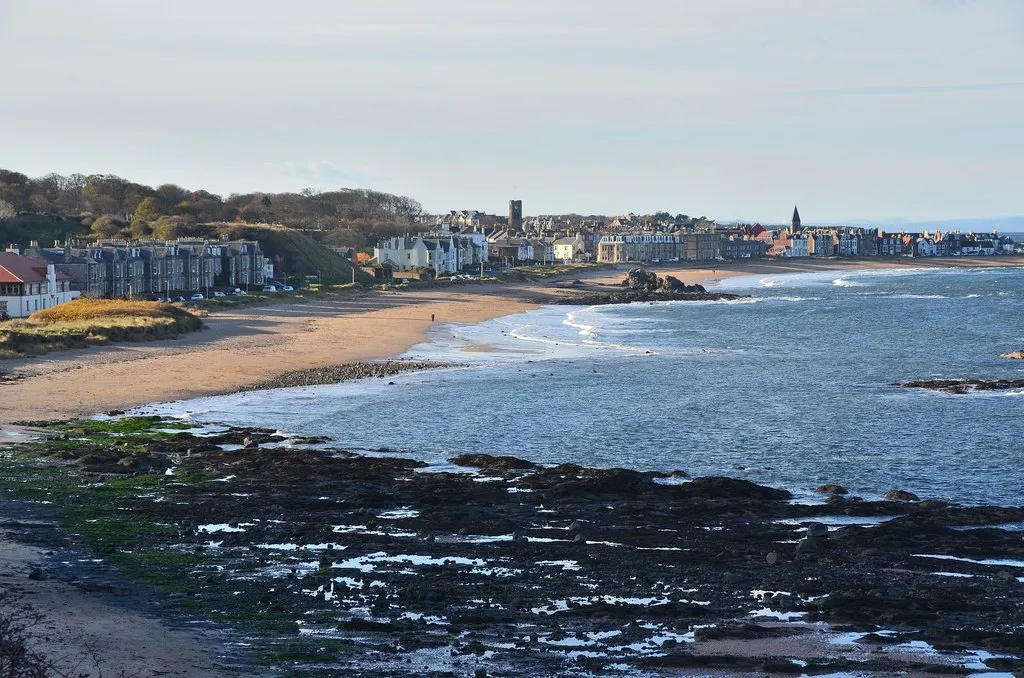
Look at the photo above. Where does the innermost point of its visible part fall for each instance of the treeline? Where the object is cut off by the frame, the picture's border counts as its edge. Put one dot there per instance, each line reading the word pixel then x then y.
pixel 108 206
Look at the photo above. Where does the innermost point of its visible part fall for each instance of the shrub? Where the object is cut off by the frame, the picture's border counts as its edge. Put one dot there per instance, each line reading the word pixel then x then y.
pixel 93 309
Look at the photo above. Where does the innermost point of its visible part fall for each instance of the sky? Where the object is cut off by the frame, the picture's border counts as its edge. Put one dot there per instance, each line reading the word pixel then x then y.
pixel 733 109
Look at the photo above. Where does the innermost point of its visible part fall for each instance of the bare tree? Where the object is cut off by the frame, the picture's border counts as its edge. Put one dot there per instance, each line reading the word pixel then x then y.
pixel 7 210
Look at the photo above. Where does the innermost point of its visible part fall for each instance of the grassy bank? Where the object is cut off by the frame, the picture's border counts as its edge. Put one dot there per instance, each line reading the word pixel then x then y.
pixel 528 273
pixel 92 322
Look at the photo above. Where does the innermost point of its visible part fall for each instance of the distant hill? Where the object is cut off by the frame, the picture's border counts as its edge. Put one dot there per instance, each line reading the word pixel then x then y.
pixel 110 206
pixel 979 224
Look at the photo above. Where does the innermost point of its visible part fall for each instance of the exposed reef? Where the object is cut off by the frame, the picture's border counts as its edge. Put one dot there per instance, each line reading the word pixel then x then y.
pixel 644 286
pixel 963 386
pixel 499 565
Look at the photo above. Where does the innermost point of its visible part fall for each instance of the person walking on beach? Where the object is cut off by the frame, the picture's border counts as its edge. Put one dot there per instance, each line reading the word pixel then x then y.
pixel 431 317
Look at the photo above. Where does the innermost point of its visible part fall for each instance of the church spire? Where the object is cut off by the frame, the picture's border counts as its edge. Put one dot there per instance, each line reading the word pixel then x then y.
pixel 796 219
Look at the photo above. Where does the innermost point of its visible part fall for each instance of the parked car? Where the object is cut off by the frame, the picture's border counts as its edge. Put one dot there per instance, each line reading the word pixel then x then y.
pixel 219 294
pixel 269 288
pixel 197 297
pixel 287 288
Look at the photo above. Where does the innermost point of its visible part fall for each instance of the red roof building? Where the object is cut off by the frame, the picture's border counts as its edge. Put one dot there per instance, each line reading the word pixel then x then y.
pixel 27 286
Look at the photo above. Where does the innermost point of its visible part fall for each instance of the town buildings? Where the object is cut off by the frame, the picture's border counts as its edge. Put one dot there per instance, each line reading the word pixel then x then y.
pixel 665 238
pixel 120 268
pixel 27 286
pixel 443 253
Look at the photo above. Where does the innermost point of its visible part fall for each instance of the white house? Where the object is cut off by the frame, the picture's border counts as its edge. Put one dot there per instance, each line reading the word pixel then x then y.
pixel 448 254
pixel 567 250
pixel 525 249
pixel 27 286
pixel 926 247
pixel 799 246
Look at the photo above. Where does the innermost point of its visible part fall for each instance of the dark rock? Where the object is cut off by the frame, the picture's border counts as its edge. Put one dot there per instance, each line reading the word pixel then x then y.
pixel 639 279
pixel 505 463
pixel 831 488
pixel 962 386
pixel 900 495
pixel 817 530
pixel 673 284
pixel 808 546
pixel 721 487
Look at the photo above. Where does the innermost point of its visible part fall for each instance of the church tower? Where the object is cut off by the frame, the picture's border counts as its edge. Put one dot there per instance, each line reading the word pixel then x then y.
pixel 796 220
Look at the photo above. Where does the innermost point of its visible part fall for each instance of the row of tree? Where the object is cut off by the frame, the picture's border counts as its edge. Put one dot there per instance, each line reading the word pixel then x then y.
pixel 110 206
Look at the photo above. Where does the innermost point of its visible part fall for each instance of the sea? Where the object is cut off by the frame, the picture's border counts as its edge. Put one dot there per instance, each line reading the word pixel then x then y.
pixel 793 385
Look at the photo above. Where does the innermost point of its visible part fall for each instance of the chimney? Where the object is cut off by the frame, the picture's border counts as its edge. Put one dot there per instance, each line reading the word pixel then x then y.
pixel 13 249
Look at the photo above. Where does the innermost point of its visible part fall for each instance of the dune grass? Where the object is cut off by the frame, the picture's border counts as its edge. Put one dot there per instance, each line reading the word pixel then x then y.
pixel 92 322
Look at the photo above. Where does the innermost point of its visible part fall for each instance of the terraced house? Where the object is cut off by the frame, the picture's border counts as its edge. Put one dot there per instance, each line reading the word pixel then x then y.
pixel 118 268
pixel 26 286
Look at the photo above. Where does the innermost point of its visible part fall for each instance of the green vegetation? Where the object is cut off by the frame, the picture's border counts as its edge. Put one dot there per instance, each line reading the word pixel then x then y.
pixel 132 522
pixel 54 207
pixel 293 253
pixel 91 322
pixel 526 273
pixel 127 426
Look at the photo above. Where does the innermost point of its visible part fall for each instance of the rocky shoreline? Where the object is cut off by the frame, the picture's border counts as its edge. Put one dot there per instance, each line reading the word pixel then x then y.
pixel 332 562
pixel 640 285
pixel 964 386
pixel 335 374
pixel 638 296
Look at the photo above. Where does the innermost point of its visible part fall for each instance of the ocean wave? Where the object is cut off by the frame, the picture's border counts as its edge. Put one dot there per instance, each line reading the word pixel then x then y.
pixel 918 296
pixel 714 302
pixel 794 299
pixel 522 334
pixel 843 282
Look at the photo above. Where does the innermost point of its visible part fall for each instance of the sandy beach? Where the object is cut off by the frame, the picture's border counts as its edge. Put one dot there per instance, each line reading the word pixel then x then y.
pixel 235 350
pixel 240 348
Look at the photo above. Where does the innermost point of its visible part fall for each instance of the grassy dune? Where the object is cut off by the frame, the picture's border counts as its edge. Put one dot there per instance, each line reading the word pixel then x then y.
pixel 92 322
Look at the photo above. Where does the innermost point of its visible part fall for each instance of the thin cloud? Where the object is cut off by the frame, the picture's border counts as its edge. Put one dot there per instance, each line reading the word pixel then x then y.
pixel 918 89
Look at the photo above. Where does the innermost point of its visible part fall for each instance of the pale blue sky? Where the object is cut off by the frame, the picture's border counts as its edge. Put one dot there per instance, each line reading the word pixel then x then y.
pixel 730 108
